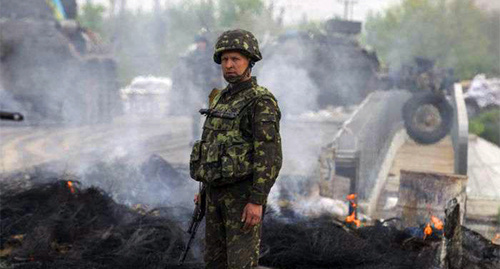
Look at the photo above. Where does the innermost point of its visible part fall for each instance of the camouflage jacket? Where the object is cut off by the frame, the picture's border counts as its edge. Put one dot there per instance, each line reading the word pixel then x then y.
pixel 240 140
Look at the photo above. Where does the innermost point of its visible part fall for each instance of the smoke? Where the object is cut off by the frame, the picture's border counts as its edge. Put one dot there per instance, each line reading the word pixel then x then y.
pixel 74 84
pixel 285 71
pixel 65 81
pixel 7 102
pixel 286 75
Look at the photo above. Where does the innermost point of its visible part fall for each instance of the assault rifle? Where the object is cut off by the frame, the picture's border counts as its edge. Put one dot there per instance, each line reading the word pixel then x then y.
pixel 198 214
pixel 220 114
pixel 11 116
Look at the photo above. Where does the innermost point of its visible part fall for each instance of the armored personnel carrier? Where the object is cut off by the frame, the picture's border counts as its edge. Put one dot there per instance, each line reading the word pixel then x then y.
pixel 53 69
pixel 342 71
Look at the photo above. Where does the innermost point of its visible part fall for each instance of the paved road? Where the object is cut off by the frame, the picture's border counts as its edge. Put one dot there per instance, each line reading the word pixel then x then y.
pixel 24 147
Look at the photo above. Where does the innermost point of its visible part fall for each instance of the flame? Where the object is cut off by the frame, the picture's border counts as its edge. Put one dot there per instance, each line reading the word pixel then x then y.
pixel 434 224
pixel 351 196
pixel 70 186
pixel 352 218
pixel 438 224
pixel 427 230
pixel 496 238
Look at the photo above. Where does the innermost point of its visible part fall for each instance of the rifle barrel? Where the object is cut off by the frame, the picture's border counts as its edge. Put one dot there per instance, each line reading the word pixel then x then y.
pixel 11 116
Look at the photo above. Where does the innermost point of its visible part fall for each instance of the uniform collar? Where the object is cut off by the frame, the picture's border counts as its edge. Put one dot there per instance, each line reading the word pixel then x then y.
pixel 232 89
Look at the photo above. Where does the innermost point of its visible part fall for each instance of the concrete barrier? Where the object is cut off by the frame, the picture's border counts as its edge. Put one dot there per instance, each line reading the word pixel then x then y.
pixel 422 194
pixel 364 140
pixel 460 131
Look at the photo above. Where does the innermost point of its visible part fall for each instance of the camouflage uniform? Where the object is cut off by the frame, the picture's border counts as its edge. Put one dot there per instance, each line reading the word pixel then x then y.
pixel 238 159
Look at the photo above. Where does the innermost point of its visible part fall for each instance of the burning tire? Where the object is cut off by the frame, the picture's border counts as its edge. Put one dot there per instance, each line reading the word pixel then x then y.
pixel 427 117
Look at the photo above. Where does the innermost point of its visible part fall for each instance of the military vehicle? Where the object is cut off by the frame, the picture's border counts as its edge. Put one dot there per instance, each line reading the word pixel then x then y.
pixel 427 114
pixel 51 67
pixel 342 71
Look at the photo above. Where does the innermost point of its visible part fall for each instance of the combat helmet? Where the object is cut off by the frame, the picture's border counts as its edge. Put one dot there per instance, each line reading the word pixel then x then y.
pixel 240 40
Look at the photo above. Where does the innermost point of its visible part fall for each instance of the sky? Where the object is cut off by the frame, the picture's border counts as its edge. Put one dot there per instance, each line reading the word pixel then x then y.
pixel 295 10
pixel 325 9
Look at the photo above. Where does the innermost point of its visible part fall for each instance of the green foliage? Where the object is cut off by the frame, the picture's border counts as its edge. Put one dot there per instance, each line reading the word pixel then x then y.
pixel 452 32
pixel 92 16
pixel 487 126
pixel 476 127
pixel 492 28
pixel 232 11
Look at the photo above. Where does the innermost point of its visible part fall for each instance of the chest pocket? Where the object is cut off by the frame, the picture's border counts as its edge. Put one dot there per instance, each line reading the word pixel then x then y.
pixel 204 163
pixel 220 120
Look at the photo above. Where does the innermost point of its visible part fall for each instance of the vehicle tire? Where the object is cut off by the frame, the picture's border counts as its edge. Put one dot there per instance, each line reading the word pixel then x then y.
pixel 472 107
pixel 427 117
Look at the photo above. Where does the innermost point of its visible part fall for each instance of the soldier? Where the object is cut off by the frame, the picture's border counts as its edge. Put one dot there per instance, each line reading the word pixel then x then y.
pixel 239 156
pixel 192 77
pixel 203 76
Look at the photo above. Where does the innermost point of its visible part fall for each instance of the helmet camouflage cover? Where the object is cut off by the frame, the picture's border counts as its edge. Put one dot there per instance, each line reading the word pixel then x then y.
pixel 240 40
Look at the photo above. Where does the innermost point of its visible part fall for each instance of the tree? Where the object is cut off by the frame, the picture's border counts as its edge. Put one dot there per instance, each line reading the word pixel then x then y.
pixel 487 126
pixel 448 31
pixel 92 17
pixel 232 11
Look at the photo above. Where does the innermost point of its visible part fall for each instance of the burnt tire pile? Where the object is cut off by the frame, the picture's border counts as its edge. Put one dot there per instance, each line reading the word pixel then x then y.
pixel 321 244
pixel 52 226
pixel 318 243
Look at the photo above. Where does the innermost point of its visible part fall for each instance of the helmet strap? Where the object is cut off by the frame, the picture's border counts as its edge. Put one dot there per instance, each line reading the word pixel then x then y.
pixel 240 78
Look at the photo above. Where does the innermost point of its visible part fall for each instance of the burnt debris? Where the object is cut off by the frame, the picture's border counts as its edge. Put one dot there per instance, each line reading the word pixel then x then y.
pixel 321 244
pixel 52 226
pixel 56 224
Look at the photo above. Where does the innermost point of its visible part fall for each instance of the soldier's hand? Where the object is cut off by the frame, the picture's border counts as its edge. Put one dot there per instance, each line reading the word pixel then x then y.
pixel 196 198
pixel 252 215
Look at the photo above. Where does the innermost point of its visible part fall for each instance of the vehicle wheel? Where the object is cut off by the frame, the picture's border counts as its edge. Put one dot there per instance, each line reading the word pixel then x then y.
pixel 427 117
pixel 472 108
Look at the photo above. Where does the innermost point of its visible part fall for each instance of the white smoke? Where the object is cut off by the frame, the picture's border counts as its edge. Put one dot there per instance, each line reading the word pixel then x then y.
pixel 285 74
pixel 291 85
pixel 288 80
pixel 7 101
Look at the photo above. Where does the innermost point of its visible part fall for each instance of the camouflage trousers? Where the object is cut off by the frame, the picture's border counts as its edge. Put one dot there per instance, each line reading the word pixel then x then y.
pixel 227 245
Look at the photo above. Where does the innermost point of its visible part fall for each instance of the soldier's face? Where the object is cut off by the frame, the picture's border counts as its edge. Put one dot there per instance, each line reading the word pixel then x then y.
pixel 233 65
